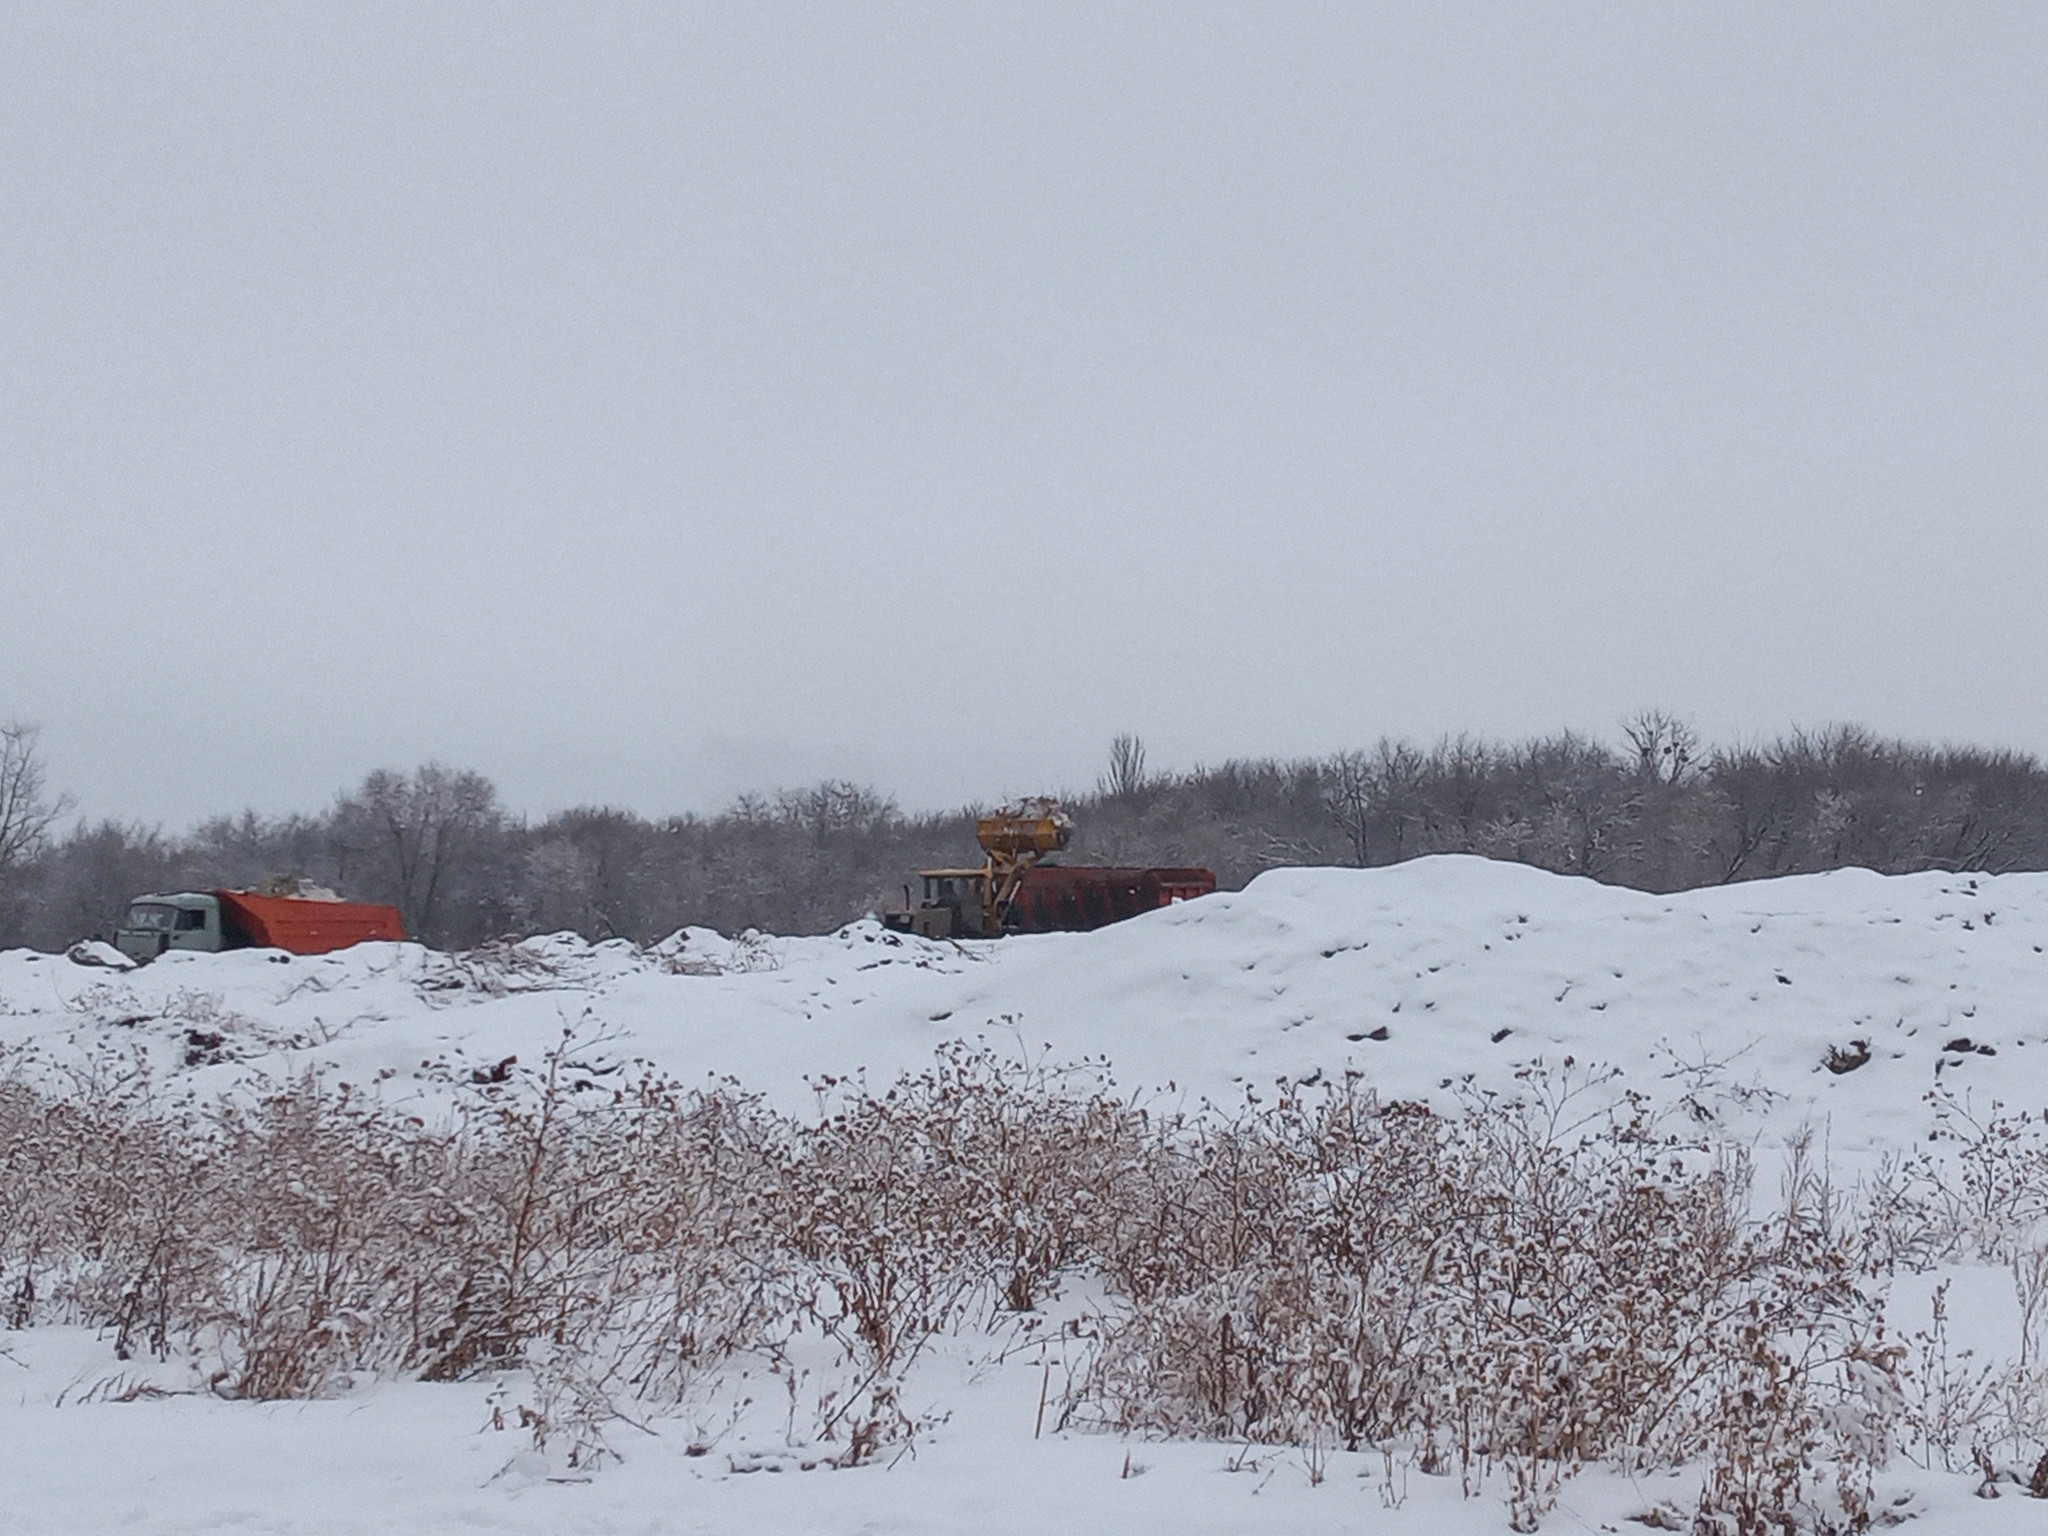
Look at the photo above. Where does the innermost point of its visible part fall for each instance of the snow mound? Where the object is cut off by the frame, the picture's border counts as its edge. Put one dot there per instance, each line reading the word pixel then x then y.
pixel 1834 1001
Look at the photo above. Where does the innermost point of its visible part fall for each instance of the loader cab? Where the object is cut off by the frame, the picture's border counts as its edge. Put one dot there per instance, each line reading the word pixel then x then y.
pixel 942 890
pixel 188 920
pixel 950 908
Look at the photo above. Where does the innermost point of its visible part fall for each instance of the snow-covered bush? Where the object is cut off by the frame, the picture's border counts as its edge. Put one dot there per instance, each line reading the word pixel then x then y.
pixel 1543 1281
pixel 1531 1286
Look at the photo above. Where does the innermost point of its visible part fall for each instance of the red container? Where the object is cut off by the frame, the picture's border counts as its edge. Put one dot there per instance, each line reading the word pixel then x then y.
pixel 303 927
pixel 1056 898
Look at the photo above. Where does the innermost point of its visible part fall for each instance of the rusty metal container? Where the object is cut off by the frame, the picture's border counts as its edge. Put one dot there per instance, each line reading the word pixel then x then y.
pixel 303 927
pixel 1059 899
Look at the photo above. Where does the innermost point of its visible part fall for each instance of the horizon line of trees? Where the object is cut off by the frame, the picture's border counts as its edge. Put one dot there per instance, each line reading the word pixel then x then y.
pixel 1658 811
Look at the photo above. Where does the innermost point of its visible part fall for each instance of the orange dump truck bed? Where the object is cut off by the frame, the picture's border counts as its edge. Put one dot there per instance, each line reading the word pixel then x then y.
pixel 304 927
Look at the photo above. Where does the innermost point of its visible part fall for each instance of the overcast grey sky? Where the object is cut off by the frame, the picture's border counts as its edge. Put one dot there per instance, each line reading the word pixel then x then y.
pixel 640 404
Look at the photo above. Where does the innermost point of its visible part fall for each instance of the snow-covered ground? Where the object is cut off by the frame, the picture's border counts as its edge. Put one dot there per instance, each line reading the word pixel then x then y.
pixel 1425 978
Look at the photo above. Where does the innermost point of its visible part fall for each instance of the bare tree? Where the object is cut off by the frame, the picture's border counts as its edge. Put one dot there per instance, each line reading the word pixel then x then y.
pixel 1350 792
pixel 1126 773
pixel 26 811
pixel 413 832
pixel 1462 781
pixel 1400 777
pixel 836 806
pixel 1665 746
pixel 85 881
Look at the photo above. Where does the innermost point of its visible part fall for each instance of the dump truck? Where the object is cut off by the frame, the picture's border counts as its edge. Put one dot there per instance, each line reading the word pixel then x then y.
pixel 1015 891
pixel 217 920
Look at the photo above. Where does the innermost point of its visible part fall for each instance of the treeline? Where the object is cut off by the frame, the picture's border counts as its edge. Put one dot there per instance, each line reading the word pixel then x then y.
pixel 1656 810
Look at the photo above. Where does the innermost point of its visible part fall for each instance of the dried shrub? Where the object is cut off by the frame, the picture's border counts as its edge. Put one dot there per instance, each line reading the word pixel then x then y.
pixel 1539 1282
pixel 1528 1287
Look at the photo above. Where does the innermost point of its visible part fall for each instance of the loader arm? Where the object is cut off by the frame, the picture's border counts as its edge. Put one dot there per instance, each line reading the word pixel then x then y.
pixel 1015 838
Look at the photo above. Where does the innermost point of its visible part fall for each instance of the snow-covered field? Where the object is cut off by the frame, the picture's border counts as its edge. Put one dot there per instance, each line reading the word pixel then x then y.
pixel 1429 978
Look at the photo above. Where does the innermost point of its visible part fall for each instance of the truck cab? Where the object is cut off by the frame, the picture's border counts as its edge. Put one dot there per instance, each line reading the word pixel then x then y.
pixel 187 920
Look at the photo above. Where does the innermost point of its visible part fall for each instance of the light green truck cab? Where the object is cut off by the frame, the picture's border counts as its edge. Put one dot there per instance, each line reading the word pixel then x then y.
pixel 187 920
